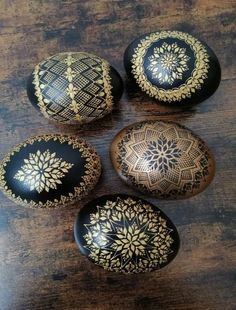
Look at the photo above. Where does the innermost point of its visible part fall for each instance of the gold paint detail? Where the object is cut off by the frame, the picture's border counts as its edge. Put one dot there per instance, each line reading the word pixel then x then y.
pixel 88 180
pixel 106 78
pixel 190 86
pixel 43 171
pixel 128 236
pixel 168 63
pixel 73 87
pixel 163 158
pixel 41 102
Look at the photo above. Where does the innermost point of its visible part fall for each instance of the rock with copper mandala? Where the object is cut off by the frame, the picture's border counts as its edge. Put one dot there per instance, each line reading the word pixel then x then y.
pixel 126 234
pixel 49 171
pixel 173 67
pixel 163 159
pixel 74 87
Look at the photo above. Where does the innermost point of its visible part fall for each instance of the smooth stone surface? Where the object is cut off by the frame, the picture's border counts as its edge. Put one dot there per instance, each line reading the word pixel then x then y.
pixel 173 67
pixel 163 159
pixel 126 234
pixel 49 171
pixel 74 87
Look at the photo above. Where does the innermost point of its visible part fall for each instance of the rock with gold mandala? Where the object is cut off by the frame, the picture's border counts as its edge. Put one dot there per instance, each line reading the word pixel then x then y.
pixel 126 234
pixel 163 159
pixel 173 66
pixel 49 171
pixel 75 87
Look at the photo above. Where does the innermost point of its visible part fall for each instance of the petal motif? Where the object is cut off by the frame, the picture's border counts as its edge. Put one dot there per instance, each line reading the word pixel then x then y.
pixel 37 172
pixel 168 63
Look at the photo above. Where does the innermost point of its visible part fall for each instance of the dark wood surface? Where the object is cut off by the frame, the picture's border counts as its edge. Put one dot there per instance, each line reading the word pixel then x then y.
pixel 40 265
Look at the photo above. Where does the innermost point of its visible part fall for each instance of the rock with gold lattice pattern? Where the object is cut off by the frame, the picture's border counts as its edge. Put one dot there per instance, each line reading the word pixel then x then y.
pixel 126 234
pixel 49 171
pixel 173 67
pixel 163 159
pixel 74 87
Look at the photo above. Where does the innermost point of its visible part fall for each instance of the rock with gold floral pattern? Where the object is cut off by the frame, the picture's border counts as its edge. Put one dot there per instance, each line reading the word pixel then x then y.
pixel 173 67
pixel 74 87
pixel 126 234
pixel 49 171
pixel 163 159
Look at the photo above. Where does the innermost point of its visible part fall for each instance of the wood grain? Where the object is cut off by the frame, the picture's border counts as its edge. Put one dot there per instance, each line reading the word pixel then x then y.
pixel 40 265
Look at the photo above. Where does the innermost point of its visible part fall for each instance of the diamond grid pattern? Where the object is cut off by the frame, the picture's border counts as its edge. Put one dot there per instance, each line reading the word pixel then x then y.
pixel 87 81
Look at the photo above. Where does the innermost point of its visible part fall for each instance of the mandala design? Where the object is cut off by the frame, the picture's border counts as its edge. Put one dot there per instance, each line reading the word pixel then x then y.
pixel 161 155
pixel 128 236
pixel 89 179
pixel 43 171
pixel 168 63
pixel 73 87
pixel 168 60
pixel 164 159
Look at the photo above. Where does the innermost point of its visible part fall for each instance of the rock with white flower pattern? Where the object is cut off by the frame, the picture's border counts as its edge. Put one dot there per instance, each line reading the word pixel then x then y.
pixel 49 171
pixel 74 87
pixel 163 159
pixel 173 67
pixel 126 234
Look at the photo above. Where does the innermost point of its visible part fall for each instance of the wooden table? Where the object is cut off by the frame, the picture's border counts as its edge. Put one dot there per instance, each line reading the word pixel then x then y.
pixel 40 265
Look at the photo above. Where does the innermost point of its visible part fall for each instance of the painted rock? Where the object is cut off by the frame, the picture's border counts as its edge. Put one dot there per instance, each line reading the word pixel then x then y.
pixel 49 171
pixel 126 234
pixel 163 159
pixel 74 87
pixel 173 67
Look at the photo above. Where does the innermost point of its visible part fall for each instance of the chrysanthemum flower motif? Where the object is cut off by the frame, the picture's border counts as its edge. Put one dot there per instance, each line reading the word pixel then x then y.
pixel 127 236
pixel 162 155
pixel 168 63
pixel 42 171
pixel 131 241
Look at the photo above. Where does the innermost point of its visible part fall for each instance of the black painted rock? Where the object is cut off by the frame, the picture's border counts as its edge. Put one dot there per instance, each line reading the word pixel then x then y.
pixel 173 67
pixel 74 87
pixel 126 234
pixel 49 171
pixel 163 159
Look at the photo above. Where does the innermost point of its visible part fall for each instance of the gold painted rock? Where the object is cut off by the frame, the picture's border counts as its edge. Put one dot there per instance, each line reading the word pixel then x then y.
pixel 163 159
pixel 74 87
pixel 173 67
pixel 126 234
pixel 49 171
